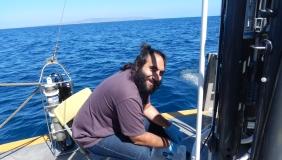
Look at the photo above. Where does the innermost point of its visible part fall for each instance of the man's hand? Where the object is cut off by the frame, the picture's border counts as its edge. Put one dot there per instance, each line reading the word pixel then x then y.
pixel 174 133
pixel 173 151
pixel 172 147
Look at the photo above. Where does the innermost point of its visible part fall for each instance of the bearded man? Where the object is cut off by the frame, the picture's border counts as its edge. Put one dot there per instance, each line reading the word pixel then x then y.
pixel 118 119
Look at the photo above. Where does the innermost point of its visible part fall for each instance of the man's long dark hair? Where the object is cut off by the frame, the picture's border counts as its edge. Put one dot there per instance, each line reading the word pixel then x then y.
pixel 145 51
pixel 136 72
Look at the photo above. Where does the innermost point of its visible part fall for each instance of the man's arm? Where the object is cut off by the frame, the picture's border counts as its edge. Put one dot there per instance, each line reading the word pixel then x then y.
pixel 154 115
pixel 170 129
pixel 150 139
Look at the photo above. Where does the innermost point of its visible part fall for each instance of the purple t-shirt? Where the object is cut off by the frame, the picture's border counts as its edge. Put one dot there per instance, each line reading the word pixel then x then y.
pixel 115 106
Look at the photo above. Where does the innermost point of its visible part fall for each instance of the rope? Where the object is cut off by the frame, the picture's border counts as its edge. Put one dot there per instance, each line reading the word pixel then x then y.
pixel 19 84
pixel 19 108
pixel 59 32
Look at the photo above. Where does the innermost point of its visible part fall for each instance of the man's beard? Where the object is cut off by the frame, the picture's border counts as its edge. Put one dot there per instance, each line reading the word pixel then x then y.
pixel 140 81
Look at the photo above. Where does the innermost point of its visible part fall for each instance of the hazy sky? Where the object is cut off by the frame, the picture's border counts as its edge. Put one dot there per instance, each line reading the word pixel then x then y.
pixel 24 13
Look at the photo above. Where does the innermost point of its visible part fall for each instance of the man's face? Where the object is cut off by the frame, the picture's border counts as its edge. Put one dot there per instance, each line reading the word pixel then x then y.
pixel 151 73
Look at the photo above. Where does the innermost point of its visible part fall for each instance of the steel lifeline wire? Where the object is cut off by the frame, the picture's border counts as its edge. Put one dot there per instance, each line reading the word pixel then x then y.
pixel 59 32
pixel 19 108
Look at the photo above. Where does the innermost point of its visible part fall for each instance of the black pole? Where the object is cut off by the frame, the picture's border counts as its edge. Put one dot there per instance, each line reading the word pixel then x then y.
pixel 231 53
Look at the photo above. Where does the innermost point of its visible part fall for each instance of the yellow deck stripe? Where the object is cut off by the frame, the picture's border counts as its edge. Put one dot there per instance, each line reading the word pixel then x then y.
pixel 172 115
pixel 23 143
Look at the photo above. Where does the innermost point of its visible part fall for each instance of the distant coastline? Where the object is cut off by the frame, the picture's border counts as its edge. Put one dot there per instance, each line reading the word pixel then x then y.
pixel 102 20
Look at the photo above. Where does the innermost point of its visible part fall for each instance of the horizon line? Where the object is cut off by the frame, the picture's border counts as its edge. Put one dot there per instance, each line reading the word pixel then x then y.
pixel 104 20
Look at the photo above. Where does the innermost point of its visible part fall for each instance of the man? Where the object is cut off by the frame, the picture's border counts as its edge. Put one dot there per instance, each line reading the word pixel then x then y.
pixel 114 120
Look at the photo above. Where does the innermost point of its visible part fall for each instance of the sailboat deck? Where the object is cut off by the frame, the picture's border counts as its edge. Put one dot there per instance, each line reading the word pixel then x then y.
pixel 39 148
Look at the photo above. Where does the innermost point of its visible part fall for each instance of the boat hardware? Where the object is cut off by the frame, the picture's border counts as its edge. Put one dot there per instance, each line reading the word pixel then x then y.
pixel 259 24
pixel 267 46
pixel 55 88
pixel 249 19
pixel 267 13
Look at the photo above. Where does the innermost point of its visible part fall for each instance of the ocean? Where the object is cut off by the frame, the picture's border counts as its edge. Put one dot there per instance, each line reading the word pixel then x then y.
pixel 91 52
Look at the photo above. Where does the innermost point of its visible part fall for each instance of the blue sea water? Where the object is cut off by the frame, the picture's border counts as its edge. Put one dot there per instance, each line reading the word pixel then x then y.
pixel 92 52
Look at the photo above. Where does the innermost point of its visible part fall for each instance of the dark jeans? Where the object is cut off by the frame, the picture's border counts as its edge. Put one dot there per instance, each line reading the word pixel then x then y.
pixel 121 147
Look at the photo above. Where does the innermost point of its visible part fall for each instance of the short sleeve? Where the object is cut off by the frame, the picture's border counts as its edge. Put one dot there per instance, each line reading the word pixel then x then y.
pixel 130 117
